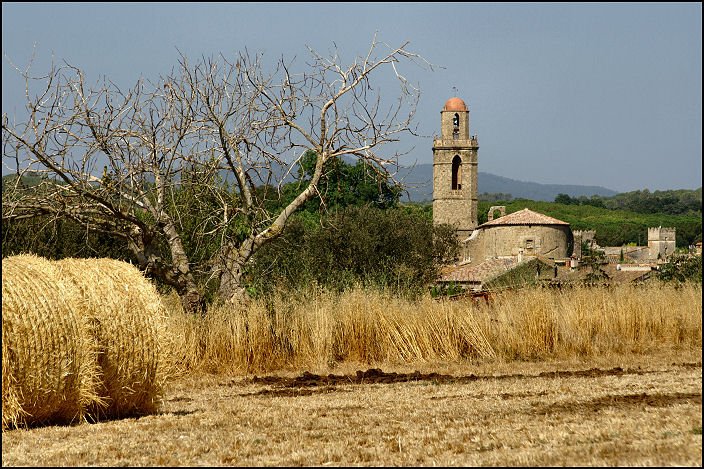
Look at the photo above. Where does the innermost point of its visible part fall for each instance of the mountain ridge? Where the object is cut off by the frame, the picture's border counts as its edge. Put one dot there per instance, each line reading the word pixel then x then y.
pixel 418 183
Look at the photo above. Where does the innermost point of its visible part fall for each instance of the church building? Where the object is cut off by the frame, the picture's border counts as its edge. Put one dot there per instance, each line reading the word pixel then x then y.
pixel 455 201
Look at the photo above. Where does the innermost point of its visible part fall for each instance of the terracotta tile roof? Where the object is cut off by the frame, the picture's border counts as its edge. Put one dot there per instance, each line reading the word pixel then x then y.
pixel 625 276
pixel 478 273
pixel 615 275
pixel 524 217
pixel 616 250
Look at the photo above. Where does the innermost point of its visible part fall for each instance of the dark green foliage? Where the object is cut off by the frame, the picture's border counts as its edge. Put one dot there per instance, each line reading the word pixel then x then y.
pixel 594 201
pixel 673 202
pixel 424 210
pixel 397 249
pixel 342 185
pixel 565 200
pixel 594 259
pixel 51 237
pixel 197 201
pixel 446 289
pixel 495 196
pixel 58 239
pixel 29 179
pixel 682 269
pixel 358 233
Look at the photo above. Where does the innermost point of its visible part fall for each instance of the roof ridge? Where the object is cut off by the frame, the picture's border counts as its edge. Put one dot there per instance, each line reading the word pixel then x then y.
pixel 525 216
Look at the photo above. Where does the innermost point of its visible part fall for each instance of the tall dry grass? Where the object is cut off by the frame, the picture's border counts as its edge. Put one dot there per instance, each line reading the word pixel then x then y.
pixel 532 324
pixel 320 329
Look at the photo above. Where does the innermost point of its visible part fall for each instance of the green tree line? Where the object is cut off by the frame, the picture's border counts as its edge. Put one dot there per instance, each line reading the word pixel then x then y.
pixel 671 202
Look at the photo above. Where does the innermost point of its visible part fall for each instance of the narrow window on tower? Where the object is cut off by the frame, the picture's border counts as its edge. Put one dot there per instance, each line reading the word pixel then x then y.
pixel 456 173
pixel 456 126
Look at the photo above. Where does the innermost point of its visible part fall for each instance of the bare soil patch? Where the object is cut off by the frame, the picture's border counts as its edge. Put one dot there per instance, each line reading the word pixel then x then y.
pixel 639 410
pixel 377 376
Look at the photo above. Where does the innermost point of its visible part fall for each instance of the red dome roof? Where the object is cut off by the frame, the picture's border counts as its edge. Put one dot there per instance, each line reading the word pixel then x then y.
pixel 455 104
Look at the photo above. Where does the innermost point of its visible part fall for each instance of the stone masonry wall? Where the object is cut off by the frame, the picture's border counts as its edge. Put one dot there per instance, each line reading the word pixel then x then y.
pixel 553 241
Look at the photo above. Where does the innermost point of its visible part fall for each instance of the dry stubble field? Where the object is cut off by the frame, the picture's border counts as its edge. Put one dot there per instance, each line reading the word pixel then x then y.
pixel 618 410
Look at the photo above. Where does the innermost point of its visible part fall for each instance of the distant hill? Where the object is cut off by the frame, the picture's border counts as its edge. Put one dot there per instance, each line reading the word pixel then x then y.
pixel 418 181
pixel 419 184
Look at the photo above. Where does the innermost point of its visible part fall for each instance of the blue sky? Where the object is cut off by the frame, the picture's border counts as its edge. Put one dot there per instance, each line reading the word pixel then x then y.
pixel 595 94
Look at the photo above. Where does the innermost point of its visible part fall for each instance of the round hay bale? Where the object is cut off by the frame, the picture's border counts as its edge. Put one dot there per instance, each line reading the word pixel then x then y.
pixel 49 368
pixel 129 329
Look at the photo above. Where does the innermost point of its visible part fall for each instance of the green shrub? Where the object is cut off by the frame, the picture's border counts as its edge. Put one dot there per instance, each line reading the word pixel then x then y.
pixel 392 249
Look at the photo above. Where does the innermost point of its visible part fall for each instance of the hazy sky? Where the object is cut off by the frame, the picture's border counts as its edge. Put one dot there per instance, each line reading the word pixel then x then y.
pixel 593 94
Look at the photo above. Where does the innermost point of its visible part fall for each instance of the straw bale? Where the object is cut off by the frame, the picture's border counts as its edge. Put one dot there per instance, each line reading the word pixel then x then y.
pixel 49 368
pixel 130 331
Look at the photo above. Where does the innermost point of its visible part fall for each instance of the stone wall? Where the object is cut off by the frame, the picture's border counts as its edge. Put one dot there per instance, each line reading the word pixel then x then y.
pixel 456 207
pixel 552 241
pixel 581 236
pixel 447 126
pixel 661 242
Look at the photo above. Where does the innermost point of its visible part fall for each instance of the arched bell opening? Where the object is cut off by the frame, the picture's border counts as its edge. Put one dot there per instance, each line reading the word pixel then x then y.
pixel 456 173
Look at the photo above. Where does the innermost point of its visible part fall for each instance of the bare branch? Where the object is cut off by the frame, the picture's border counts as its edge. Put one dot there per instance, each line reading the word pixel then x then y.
pixel 153 163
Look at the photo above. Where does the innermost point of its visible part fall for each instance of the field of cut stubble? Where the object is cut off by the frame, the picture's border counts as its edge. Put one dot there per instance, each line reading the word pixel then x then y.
pixel 624 410
pixel 583 377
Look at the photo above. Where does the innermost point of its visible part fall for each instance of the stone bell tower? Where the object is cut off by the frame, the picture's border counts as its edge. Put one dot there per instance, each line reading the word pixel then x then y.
pixel 455 158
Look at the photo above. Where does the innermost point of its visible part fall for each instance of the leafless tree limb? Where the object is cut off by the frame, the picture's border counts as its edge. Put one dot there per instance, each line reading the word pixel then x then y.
pixel 117 161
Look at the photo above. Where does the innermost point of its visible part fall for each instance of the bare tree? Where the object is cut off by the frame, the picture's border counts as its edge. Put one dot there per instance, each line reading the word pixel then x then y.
pixel 118 159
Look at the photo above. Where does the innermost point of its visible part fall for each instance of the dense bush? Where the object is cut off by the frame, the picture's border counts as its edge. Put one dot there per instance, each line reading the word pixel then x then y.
pixel 58 239
pixel 682 269
pixel 397 249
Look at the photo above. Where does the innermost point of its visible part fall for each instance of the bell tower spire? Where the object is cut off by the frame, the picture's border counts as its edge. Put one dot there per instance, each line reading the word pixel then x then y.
pixel 455 159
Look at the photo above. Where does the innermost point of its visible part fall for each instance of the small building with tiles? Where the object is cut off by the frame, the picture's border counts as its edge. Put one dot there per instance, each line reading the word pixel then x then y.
pixel 519 234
